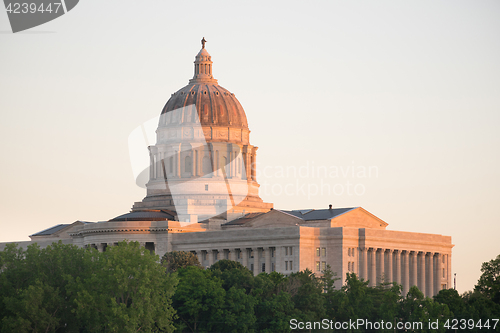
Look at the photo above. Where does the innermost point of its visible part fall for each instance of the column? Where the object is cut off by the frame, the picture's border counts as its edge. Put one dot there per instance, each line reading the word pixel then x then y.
pixel 210 254
pixel 279 259
pixel 364 263
pixel 244 257
pixel 406 277
pixel 430 275
pixel 389 273
pixel 381 266
pixel 256 260
pixel 439 273
pixel 194 154
pixel 267 253
pixel 178 162
pixel 199 255
pixel 373 267
pixel 151 164
pixel 397 256
pixel 414 273
pixel 232 255
pixel 421 272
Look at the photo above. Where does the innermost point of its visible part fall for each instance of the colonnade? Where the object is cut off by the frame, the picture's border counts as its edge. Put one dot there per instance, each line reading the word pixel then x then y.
pixel 258 259
pixel 185 162
pixel 408 268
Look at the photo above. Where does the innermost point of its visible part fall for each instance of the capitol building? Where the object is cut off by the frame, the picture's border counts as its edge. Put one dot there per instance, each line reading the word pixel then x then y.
pixel 202 196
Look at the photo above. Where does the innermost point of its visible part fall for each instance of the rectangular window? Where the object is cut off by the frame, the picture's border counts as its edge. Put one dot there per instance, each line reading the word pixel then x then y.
pixel 238 254
pixel 263 267
pixel 317 266
pixel 317 251
pixel 272 252
pixel 443 273
pixel 323 251
pixel 286 250
pixel 443 259
pixel 206 187
pixel 323 266
pixel 251 267
pixel 272 267
pixel 250 254
pixel 286 265
pixel 291 265
pixel 291 251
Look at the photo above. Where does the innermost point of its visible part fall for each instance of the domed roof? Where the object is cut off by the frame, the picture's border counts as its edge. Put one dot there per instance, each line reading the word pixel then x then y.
pixel 215 105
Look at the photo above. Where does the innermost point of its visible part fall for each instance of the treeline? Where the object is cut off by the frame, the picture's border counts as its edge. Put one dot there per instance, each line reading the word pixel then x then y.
pixel 63 288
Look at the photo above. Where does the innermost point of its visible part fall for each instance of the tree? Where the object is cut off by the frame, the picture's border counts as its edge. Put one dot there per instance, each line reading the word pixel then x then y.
pixel 126 291
pixel 199 300
pixel 233 274
pixel 489 282
pixel 34 294
pixel 177 259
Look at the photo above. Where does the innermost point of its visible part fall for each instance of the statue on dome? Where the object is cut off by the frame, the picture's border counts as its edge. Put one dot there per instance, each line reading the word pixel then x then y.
pixel 203 41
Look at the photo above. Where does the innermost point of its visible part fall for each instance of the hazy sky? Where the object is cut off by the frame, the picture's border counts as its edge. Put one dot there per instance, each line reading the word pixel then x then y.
pixel 409 90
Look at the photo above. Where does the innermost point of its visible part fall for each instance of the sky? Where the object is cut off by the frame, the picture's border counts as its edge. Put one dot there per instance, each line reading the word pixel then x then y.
pixel 389 105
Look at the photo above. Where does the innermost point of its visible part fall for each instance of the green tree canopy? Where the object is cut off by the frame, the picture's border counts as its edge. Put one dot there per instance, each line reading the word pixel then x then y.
pixel 489 282
pixel 179 259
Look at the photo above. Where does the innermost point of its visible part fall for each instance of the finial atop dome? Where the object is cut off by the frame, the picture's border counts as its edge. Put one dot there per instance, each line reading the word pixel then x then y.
pixel 203 66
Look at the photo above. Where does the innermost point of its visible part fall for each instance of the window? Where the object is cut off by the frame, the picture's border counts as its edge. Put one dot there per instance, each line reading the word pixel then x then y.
pixel 291 265
pixel 207 166
pixel 272 252
pixel 443 259
pixel 251 254
pixel 443 273
pixel 263 267
pixel 272 267
pixel 317 266
pixel 286 250
pixel 291 250
pixel 286 265
pixel 349 266
pixel 206 187
pixel 188 165
pixel 238 254
pixel 323 265
pixel 251 267
pixel 317 251
pixel 349 252
pixel 323 251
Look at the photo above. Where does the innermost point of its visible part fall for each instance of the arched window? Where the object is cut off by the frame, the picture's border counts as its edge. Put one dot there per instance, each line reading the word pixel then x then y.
pixel 171 164
pixel 188 165
pixel 207 166
pixel 224 163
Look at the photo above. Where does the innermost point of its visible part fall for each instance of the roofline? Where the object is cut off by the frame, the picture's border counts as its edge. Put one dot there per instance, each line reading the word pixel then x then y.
pixel 54 226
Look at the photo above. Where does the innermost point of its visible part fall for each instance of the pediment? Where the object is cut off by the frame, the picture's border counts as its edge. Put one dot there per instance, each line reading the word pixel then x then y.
pixel 274 219
pixel 358 218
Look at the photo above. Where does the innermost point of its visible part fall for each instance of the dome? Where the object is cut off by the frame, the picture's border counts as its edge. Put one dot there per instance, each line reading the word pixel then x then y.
pixel 215 105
